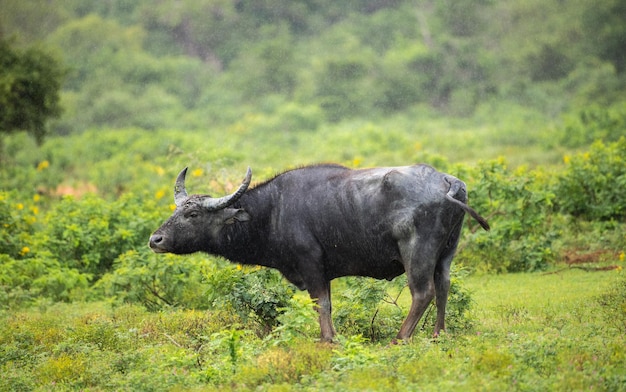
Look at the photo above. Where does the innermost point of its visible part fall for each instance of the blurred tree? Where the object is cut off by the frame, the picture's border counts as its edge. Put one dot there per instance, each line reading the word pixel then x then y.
pixel 406 76
pixel 123 11
pixel 206 29
pixel 115 83
pixel 550 63
pixel 32 20
pixel 188 64
pixel 463 18
pixel 605 31
pixel 30 81
pixel 92 45
pixel 343 89
pixel 267 66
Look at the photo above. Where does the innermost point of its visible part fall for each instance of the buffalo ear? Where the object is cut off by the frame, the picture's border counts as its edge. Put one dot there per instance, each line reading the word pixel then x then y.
pixel 232 215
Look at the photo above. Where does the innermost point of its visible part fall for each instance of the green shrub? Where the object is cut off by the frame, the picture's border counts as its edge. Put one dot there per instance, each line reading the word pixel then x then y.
pixel 374 309
pixel 23 281
pixel 88 234
pixel 258 294
pixel 519 206
pixel 595 124
pixel 368 308
pixel 156 281
pixel 592 185
pixel 352 353
pixel 18 222
pixel 297 321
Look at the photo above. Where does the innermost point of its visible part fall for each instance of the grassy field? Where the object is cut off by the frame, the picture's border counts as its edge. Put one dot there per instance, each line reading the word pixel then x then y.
pixel 524 101
pixel 548 330
pixel 560 331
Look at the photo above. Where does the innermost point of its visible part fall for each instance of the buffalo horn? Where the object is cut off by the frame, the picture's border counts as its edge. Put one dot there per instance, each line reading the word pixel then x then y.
pixel 180 194
pixel 217 204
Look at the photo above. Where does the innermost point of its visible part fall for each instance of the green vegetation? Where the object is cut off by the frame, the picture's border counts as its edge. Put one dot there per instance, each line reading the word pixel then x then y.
pixel 29 90
pixel 531 332
pixel 299 64
pixel 525 101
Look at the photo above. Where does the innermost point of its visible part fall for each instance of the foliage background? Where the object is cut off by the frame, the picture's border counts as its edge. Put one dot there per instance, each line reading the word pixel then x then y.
pixel 523 101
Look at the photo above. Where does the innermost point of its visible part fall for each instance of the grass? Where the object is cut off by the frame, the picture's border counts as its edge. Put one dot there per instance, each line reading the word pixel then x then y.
pixel 537 294
pixel 553 329
pixel 532 332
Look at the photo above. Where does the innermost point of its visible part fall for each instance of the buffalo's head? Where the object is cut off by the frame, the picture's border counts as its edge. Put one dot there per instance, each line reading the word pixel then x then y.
pixel 197 220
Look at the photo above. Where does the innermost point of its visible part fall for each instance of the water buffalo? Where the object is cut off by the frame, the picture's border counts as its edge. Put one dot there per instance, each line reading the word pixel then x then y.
pixel 318 223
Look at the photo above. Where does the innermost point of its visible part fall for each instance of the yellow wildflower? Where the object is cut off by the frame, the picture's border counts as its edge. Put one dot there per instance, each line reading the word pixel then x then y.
pixel 567 159
pixel 35 210
pixel 159 170
pixel 160 194
pixel 622 256
pixel 36 197
pixel 43 165
pixel 172 207
pixel 356 162
pixel 196 173
pixel 19 206
pixel 521 170
pixel 24 250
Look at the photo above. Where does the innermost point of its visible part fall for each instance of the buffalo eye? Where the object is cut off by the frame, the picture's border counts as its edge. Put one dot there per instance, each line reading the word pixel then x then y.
pixel 192 214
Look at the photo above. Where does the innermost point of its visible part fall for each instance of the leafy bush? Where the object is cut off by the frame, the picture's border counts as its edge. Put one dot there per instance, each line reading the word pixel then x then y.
pixel 374 310
pixel 259 295
pixel 592 186
pixel 369 308
pixel 595 123
pixel 519 205
pixel 89 234
pixel 28 273
pixel 156 281
pixel 17 223
pixel 296 321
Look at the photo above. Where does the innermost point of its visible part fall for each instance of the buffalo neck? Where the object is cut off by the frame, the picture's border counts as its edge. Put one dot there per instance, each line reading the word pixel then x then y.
pixel 245 242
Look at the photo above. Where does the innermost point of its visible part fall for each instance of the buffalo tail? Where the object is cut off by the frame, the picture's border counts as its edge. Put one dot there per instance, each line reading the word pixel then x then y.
pixel 454 188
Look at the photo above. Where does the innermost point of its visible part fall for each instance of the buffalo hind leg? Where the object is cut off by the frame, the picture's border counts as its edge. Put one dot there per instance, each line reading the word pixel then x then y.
pixel 442 279
pixel 419 265
pixel 321 296
pixel 442 287
pixel 422 293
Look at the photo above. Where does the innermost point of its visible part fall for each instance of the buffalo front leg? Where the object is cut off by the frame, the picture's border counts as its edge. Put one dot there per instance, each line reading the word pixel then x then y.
pixel 321 296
